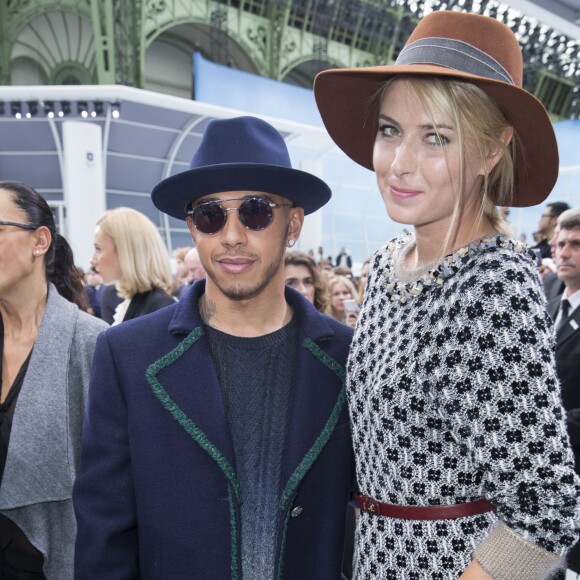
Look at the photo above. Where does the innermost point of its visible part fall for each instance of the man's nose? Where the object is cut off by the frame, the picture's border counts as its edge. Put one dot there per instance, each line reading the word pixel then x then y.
pixel 234 231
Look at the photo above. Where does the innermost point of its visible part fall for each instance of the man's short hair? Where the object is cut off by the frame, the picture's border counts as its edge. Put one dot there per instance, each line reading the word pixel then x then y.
pixel 569 219
pixel 557 208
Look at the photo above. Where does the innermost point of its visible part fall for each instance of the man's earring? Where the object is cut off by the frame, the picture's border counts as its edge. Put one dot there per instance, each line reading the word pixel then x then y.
pixel 291 242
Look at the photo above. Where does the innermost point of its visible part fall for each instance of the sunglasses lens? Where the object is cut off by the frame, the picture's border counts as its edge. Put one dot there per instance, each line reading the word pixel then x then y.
pixel 255 214
pixel 209 218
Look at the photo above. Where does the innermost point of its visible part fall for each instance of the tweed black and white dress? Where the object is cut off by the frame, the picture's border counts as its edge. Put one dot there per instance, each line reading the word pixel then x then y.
pixel 453 397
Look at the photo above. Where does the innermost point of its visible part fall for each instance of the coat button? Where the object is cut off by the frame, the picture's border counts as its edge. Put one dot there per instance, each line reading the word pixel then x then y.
pixel 296 511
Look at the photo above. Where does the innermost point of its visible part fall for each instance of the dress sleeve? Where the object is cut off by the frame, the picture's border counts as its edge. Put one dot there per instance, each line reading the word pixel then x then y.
pixel 505 405
pixel 103 496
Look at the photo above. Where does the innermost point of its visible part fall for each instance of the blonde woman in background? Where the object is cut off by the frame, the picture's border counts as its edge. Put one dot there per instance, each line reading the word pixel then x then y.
pixel 130 252
pixel 341 290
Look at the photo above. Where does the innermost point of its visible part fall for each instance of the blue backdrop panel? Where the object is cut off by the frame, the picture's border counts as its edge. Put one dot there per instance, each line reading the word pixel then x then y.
pixel 227 87
pixel 567 134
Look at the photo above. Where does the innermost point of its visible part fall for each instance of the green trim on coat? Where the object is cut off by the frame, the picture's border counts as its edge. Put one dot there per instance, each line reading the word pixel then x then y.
pixel 280 575
pixel 234 534
pixel 180 417
pixel 313 453
pixel 316 449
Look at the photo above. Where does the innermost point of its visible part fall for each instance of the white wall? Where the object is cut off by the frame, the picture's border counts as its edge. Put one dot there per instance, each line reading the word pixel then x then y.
pixel 83 185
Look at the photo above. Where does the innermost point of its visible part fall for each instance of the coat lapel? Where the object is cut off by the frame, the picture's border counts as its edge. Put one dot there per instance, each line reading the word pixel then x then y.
pixel 318 397
pixel 186 385
pixel 570 327
pixel 39 463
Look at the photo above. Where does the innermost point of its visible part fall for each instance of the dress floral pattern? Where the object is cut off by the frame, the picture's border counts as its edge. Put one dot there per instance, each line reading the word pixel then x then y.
pixel 453 397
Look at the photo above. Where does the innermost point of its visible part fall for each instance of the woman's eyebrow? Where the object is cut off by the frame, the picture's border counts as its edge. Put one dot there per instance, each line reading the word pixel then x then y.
pixel 424 126
pixel 387 118
pixel 437 126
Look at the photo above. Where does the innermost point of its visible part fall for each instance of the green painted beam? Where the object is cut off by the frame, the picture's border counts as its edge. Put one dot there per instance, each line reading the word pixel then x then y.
pixel 102 16
pixel 5 44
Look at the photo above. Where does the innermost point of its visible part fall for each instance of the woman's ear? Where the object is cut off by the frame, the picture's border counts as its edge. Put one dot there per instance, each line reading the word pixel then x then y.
pixel 42 240
pixel 496 153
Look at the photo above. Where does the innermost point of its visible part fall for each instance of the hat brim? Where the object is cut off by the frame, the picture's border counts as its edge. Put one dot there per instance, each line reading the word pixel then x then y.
pixel 345 101
pixel 306 190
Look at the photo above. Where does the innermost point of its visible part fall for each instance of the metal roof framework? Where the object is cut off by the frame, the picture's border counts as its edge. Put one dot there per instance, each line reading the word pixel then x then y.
pixel 153 137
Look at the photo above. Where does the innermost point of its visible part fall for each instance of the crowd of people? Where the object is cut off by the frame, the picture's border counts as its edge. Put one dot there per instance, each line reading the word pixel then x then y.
pixel 224 420
pixel 326 286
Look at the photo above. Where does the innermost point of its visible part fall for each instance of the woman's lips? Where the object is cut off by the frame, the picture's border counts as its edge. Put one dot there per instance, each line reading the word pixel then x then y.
pixel 403 193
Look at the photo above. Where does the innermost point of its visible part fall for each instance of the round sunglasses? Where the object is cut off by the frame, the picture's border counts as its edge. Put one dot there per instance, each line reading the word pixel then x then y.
pixel 255 213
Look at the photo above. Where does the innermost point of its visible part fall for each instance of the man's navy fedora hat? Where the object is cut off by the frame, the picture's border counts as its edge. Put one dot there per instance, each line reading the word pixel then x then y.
pixel 240 154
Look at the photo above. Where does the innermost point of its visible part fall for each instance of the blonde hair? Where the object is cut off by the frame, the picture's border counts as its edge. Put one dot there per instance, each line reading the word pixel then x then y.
pixel 348 284
pixel 480 125
pixel 143 257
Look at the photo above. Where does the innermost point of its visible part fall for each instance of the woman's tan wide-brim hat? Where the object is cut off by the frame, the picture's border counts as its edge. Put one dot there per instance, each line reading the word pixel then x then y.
pixel 464 46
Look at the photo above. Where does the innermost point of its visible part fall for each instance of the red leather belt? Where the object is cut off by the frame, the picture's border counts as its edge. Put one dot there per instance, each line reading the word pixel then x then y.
pixel 411 512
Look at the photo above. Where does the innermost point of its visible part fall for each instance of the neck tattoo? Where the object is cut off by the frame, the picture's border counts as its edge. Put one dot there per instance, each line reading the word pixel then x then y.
pixel 207 309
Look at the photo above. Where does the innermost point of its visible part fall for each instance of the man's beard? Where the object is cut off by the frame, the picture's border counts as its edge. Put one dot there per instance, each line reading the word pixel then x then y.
pixel 249 290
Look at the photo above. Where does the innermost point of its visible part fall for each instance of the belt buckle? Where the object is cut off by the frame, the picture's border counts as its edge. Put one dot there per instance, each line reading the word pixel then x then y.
pixel 371 506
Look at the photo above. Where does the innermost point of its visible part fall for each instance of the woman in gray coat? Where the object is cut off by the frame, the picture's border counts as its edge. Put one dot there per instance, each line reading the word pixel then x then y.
pixel 47 344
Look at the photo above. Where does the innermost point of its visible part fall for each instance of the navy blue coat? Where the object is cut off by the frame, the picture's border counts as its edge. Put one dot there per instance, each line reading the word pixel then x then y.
pixel 157 495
